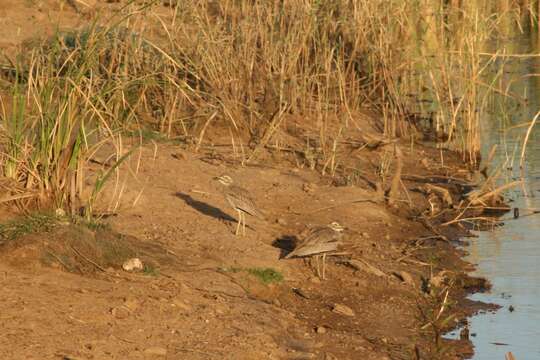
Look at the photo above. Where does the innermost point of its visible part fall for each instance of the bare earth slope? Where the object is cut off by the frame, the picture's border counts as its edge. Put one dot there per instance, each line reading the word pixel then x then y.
pixel 208 304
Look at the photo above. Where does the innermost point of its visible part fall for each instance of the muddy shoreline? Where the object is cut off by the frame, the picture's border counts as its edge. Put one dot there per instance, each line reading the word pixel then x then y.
pixel 402 285
pixel 209 294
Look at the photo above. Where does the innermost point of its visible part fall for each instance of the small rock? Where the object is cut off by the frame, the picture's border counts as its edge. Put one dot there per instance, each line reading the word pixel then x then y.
pixel 179 155
pixel 309 187
pixel 342 310
pixel 315 280
pixel 60 212
pixel 302 356
pixel 132 264
pixel 320 330
pixel 362 283
pixel 364 266
pixel 365 235
pixel 120 312
pixel 405 277
pixel 182 306
pixel 464 334
pixel 281 221
pixel 303 345
pixel 155 350
pixel 131 304
pixel 70 357
pixel 300 292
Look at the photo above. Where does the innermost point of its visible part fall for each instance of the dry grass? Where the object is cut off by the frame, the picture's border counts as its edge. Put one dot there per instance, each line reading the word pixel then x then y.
pixel 245 68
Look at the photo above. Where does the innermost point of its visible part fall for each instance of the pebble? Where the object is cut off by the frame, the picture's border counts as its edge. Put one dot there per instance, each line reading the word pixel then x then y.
pixel 132 264
pixel 155 350
pixel 405 277
pixel 320 330
pixel 131 304
pixel 70 357
pixel 309 187
pixel 179 155
pixel 60 212
pixel 302 356
pixel 464 334
pixel 343 310
pixel 362 283
pixel 120 312
pixel 182 306
pixel 303 345
pixel 301 293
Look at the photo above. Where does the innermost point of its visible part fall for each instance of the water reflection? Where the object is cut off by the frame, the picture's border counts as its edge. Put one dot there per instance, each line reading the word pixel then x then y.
pixel 510 256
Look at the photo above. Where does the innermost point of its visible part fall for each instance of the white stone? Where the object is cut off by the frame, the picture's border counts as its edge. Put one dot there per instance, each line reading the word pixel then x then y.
pixel 132 264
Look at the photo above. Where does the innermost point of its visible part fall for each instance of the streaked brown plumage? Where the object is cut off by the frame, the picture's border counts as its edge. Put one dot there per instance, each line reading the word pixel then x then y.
pixel 318 242
pixel 240 200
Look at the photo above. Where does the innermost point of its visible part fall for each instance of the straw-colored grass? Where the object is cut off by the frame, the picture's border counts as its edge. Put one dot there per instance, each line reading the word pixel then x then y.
pixel 244 68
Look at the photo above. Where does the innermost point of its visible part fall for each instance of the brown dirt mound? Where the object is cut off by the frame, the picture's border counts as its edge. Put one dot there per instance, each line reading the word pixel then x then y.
pixel 79 249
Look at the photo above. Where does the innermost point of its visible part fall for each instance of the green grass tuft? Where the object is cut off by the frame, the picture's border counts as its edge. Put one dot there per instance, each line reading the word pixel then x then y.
pixel 150 270
pixel 34 223
pixel 266 275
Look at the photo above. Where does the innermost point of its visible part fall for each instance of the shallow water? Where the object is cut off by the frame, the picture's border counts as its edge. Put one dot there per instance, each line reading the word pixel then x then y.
pixel 509 256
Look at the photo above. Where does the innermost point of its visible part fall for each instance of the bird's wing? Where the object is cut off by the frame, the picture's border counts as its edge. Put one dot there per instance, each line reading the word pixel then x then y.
pixel 243 201
pixel 319 240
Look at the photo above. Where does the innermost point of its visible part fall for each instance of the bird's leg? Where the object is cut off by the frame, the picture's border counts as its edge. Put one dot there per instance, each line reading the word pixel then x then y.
pixel 324 266
pixel 243 223
pixel 317 266
pixel 238 222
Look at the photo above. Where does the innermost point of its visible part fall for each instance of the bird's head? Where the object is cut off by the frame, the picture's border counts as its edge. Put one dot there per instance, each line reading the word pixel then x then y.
pixel 224 180
pixel 336 227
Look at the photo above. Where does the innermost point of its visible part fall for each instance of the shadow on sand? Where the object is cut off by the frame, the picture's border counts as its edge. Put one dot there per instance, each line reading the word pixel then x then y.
pixel 286 244
pixel 205 208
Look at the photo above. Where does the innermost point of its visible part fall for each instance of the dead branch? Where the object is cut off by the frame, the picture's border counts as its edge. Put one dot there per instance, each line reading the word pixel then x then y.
pixel 477 199
pixel 441 192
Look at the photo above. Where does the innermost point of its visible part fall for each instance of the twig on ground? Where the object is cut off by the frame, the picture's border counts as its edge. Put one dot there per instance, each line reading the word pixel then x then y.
pixel 87 259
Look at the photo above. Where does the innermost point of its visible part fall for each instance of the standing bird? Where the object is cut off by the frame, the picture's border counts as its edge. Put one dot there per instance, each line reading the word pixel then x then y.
pixel 318 242
pixel 240 200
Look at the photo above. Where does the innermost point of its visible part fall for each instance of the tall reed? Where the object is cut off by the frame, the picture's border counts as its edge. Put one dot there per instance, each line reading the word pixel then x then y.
pixel 268 71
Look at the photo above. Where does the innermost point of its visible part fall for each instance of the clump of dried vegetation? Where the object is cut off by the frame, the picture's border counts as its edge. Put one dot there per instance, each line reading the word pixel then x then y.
pixel 263 72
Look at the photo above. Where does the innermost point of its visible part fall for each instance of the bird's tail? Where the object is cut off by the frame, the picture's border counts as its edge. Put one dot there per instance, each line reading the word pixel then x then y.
pixel 290 255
